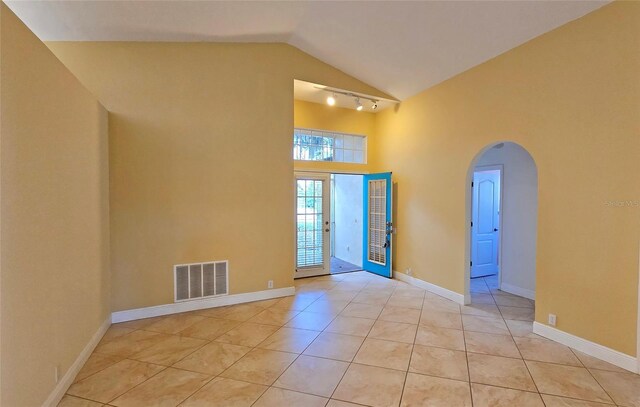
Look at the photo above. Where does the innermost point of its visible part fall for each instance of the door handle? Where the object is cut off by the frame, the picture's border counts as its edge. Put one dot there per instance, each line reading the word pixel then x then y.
pixel 389 228
pixel 495 229
pixel 326 230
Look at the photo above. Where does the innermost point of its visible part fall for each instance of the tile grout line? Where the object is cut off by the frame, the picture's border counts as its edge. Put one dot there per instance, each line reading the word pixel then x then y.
pixel 197 390
pixel 594 378
pixel 466 353
pixel 144 381
pixel 82 398
pixel 413 346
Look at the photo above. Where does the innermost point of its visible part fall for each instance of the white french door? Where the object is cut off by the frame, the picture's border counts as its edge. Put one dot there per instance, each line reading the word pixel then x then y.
pixel 312 192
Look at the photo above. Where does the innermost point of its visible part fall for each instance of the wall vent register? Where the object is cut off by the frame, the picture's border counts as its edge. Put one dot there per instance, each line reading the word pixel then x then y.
pixel 200 280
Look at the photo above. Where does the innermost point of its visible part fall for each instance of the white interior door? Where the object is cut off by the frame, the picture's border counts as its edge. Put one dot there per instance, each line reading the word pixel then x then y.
pixel 312 222
pixel 486 222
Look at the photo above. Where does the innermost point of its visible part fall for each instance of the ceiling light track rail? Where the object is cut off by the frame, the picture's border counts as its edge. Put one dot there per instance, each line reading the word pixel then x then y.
pixel 331 99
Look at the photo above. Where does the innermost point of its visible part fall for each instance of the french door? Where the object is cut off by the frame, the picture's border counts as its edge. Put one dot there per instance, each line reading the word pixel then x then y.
pixel 312 223
pixel 378 226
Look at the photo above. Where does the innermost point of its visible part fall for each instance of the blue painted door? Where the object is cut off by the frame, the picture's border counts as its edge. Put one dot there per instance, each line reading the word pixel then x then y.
pixel 377 234
pixel 485 217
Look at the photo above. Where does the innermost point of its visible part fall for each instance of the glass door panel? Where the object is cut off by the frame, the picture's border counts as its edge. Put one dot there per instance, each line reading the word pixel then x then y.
pixel 312 225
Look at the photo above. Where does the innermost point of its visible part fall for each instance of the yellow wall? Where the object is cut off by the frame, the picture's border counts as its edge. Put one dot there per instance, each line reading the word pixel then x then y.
pixel 200 157
pixel 571 98
pixel 54 211
pixel 332 118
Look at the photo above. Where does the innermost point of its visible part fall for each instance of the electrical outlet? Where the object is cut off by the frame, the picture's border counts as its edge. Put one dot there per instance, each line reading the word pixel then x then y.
pixel 270 284
pixel 56 373
pixel 552 319
pixel 409 272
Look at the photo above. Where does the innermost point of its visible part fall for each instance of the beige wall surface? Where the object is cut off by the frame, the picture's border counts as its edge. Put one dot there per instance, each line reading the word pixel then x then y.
pixel 316 116
pixel 200 158
pixel 570 97
pixel 54 210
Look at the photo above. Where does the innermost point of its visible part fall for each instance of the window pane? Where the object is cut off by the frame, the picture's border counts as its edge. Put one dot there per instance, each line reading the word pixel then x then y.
pixel 327 154
pixel 348 156
pixel 348 142
pixel 357 143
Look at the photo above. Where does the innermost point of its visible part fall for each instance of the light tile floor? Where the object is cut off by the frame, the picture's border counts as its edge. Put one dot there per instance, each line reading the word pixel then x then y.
pixel 348 340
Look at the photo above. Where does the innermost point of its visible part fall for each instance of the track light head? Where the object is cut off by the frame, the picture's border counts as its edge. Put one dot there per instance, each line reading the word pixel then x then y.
pixel 358 104
pixel 375 105
pixel 331 100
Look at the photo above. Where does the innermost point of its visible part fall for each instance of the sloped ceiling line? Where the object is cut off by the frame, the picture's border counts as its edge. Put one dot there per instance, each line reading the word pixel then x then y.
pixel 399 47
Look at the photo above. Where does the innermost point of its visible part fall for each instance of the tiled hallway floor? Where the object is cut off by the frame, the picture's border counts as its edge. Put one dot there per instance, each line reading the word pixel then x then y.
pixel 348 340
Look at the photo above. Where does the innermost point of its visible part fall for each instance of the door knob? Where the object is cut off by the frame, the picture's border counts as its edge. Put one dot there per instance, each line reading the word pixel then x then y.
pixel 326 230
pixel 495 229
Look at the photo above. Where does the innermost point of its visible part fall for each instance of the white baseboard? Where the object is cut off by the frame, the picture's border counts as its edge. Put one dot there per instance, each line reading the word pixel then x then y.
pixel 167 309
pixel 519 291
pixel 436 289
pixel 312 273
pixel 590 348
pixel 67 380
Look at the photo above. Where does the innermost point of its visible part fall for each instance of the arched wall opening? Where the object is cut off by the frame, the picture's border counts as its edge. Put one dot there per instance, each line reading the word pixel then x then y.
pixel 516 223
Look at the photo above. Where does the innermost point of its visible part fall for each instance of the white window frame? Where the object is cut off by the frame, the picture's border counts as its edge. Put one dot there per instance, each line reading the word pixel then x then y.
pixel 329 133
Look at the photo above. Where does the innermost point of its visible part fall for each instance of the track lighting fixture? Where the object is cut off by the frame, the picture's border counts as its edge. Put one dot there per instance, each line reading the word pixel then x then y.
pixel 358 104
pixel 332 98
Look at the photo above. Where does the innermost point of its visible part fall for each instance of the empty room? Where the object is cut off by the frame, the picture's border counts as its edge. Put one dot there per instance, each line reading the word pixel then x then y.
pixel 313 203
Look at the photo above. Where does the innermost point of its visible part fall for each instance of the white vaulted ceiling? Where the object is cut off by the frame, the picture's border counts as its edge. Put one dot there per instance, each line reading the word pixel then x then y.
pixel 398 47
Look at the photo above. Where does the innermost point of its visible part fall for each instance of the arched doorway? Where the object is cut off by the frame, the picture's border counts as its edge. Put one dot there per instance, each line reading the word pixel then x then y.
pixel 502 208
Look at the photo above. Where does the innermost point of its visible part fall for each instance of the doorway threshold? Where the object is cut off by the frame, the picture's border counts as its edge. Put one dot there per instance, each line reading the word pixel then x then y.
pixel 340 266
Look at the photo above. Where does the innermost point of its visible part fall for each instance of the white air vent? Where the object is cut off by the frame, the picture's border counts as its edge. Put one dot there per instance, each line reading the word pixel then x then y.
pixel 201 280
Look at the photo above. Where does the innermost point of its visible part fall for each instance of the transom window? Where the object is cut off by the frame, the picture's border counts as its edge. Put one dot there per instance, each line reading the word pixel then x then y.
pixel 317 145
